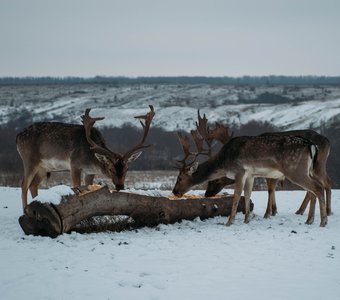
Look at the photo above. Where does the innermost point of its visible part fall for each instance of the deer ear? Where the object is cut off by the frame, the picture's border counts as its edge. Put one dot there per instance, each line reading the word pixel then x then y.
pixel 193 168
pixel 134 156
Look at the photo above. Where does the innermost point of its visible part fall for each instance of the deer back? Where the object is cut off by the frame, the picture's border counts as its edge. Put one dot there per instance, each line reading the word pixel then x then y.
pixel 320 140
pixel 57 141
pixel 281 153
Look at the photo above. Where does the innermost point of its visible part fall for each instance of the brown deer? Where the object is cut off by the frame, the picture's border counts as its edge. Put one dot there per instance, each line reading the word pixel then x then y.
pixel 53 146
pixel 244 158
pixel 319 171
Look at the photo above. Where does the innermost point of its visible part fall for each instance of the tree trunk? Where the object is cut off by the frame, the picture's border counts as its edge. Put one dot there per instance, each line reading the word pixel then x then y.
pixel 47 219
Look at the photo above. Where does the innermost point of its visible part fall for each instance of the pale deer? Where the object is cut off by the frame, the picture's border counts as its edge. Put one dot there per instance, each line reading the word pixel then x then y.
pixel 53 146
pixel 244 158
pixel 319 171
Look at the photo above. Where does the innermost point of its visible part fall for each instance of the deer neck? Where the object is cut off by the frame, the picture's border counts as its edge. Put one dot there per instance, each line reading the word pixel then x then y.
pixel 206 171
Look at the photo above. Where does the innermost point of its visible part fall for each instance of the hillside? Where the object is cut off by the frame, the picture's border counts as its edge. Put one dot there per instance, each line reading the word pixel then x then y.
pixel 287 107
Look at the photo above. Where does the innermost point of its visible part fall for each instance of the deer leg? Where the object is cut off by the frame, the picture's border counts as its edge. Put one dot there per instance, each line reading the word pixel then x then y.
pixel 303 205
pixel 323 212
pixel 76 177
pixel 271 204
pixel 24 191
pixel 311 212
pixel 321 173
pixel 34 185
pixel 314 186
pixel 328 189
pixel 274 206
pixel 239 185
pixel 29 174
pixel 37 180
pixel 320 194
pixel 248 187
pixel 89 179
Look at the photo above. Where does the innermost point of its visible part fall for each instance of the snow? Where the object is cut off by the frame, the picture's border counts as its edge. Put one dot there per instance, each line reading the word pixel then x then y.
pixel 175 105
pixel 278 258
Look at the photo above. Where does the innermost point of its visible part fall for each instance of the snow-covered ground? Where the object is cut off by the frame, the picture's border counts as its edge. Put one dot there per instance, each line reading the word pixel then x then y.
pixel 278 258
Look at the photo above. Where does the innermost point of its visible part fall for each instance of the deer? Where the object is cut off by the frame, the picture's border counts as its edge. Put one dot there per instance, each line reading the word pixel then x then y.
pixel 319 171
pixel 45 147
pixel 205 134
pixel 244 158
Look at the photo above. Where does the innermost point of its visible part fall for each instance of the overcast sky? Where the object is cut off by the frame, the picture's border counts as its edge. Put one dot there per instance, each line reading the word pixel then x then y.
pixel 177 37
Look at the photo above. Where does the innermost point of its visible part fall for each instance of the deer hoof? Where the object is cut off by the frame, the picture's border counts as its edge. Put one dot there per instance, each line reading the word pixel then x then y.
pixel 310 221
pixel 323 222
pixel 229 223
pixel 267 215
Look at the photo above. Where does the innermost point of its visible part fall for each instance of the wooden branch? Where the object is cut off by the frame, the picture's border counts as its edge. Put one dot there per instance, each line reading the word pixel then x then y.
pixel 51 220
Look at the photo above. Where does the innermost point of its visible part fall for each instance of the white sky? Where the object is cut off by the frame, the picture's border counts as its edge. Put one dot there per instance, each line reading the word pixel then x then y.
pixel 168 38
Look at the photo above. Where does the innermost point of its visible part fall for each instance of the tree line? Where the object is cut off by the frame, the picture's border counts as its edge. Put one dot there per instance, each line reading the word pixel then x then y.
pixel 221 80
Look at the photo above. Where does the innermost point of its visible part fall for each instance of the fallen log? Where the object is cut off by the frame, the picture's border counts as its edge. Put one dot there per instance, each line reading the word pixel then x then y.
pixel 47 219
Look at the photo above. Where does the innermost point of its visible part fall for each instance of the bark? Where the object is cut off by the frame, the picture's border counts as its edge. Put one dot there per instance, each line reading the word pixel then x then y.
pixel 47 219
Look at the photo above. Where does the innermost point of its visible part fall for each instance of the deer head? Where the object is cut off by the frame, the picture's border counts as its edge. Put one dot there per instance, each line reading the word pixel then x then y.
pixel 115 165
pixel 203 137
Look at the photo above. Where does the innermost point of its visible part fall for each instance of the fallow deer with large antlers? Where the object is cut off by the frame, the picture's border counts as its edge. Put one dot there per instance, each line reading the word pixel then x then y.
pixel 319 171
pixel 244 158
pixel 207 135
pixel 53 146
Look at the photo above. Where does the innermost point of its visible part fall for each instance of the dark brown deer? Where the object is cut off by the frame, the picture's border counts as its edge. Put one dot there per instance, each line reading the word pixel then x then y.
pixel 244 158
pixel 52 146
pixel 319 171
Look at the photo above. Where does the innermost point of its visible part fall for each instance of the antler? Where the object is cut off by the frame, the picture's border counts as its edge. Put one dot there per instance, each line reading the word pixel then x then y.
pixel 208 135
pixel 88 123
pixel 204 131
pixel 199 142
pixel 202 135
pixel 146 126
pixel 185 143
pixel 202 126
pixel 220 133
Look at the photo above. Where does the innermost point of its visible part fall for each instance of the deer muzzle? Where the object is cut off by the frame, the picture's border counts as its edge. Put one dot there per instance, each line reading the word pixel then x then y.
pixel 119 187
pixel 177 193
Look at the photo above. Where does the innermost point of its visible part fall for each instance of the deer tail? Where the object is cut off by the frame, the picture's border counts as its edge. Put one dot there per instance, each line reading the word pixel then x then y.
pixel 314 150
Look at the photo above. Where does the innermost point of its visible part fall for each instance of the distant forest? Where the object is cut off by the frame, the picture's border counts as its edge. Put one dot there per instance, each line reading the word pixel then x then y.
pixel 224 80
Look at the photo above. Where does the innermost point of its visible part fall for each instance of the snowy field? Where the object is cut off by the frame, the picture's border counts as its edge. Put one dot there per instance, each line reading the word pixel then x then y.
pixel 278 258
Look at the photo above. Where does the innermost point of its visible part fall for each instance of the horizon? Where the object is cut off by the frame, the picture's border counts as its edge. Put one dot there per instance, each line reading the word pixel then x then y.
pixel 182 80
pixel 171 76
